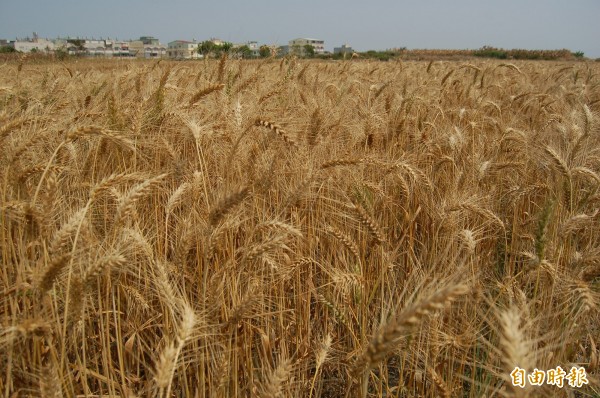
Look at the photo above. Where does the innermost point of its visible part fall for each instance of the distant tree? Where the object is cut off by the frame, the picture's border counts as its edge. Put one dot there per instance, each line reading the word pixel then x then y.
pixel 490 52
pixel 7 49
pixel 61 53
pixel 296 49
pixel 206 47
pixel 309 50
pixel 244 51
pixel 79 45
pixel 578 54
pixel 264 51
pixel 225 47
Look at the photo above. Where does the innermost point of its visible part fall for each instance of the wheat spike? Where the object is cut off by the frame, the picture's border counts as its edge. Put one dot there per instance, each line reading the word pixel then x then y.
pixel 387 337
pixel 127 202
pixel 176 197
pixel 278 130
pixel 346 240
pixel 226 205
pixel 64 234
pixel 560 163
pixel 341 162
pixel 51 273
pixel 370 223
pixel 273 384
pixel 50 385
pixel 204 92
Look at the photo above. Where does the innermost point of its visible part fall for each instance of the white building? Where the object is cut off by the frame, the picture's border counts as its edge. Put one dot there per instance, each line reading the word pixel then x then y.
pixel 140 49
pixel 32 44
pixel 252 46
pixel 112 48
pixel 298 46
pixel 107 48
pixel 94 47
pixel 183 49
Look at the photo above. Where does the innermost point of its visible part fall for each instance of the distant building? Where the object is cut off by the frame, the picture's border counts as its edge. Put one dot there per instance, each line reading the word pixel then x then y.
pixel 155 51
pixel 252 45
pixel 139 49
pixel 217 41
pixel 145 47
pixel 283 50
pixel 94 47
pixel 99 47
pixel 32 44
pixel 149 41
pixel 298 46
pixel 344 49
pixel 183 49
pixel 116 48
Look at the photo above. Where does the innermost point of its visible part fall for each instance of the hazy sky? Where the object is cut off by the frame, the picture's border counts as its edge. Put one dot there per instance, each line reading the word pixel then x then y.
pixel 363 24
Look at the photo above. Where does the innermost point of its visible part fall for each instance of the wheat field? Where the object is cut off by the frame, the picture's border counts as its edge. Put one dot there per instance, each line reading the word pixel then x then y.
pixel 297 228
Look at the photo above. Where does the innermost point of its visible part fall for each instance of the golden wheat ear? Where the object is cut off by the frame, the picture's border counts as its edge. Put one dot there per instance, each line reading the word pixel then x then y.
pixel 204 92
pixel 226 205
pixel 386 339
pixel 278 130
pixel 274 381
pixel 370 223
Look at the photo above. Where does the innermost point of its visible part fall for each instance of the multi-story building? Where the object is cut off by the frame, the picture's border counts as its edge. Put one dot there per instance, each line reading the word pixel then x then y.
pixel 139 49
pixel 183 49
pixel 116 48
pixel 101 47
pixel 150 41
pixel 298 46
pixel 32 44
pixel 111 48
pixel 87 47
pixel 252 46
pixel 94 48
pixel 216 41
pixel 155 51
pixel 344 49
pixel 283 50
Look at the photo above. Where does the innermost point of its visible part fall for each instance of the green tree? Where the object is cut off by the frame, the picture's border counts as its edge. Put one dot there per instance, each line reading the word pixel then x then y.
pixel 264 51
pixel 61 53
pixel 79 45
pixel 244 51
pixel 7 49
pixel 206 47
pixel 225 47
pixel 309 50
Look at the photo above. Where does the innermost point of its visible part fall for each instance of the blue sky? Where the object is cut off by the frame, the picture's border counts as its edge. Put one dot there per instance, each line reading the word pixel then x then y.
pixel 378 24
